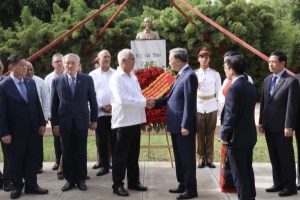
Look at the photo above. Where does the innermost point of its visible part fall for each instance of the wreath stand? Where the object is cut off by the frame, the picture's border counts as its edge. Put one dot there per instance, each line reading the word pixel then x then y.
pixel 159 146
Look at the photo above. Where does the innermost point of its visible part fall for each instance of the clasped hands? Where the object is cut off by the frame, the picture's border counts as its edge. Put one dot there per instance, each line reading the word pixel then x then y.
pixel 150 103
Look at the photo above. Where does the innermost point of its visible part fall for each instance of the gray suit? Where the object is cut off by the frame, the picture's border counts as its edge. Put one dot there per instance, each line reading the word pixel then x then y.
pixel 278 112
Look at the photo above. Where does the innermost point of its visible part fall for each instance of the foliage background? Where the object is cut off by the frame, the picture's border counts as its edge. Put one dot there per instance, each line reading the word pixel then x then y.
pixel 268 25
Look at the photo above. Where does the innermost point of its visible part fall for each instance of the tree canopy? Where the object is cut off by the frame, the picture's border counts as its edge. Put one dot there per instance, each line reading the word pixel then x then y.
pixel 267 25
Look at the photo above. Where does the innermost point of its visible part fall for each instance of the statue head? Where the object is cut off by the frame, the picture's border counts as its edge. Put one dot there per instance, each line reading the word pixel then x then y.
pixel 147 23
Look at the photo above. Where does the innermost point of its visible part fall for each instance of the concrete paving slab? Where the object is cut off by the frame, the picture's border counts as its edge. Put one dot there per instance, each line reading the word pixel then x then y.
pixel 157 176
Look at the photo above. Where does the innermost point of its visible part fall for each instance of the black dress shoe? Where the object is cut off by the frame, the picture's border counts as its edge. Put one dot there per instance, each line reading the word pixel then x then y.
pixel 298 186
pixel 274 188
pixel 287 192
pixel 15 193
pixel 36 190
pixel 176 190
pixel 96 166
pixel 82 186
pixel 211 165
pixel 188 195
pixel 7 186
pixel 68 186
pixel 102 171
pixel 201 165
pixel 40 171
pixel 138 187
pixel 55 166
pixel 121 191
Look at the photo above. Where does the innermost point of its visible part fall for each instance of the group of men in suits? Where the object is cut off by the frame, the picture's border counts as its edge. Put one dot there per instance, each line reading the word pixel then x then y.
pixel 75 109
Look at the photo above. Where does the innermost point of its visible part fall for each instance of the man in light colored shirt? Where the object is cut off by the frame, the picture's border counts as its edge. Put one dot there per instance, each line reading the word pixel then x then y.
pixel 45 103
pixel 209 84
pixel 128 113
pixel 101 77
pixel 58 71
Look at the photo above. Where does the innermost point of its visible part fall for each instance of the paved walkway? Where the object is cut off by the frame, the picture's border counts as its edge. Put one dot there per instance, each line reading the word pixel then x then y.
pixel 158 176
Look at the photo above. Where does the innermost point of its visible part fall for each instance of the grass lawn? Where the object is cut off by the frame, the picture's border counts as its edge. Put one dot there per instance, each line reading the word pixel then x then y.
pixel 260 150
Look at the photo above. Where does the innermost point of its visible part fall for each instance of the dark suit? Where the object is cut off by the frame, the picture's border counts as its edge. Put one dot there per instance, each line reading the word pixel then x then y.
pixel 182 113
pixel 72 115
pixel 278 112
pixel 6 161
pixel 297 130
pixel 239 131
pixel 21 120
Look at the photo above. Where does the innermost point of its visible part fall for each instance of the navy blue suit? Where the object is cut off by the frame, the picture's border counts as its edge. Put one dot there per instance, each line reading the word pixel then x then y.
pixel 21 120
pixel 72 115
pixel 278 112
pixel 239 131
pixel 182 113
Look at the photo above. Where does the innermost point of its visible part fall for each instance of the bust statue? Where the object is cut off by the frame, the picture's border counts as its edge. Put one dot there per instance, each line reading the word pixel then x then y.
pixel 147 34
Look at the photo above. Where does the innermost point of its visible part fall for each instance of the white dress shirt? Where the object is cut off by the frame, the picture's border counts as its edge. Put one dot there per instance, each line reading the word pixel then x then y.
pixel 43 95
pixel 209 84
pixel 101 83
pixel 127 100
pixel 48 81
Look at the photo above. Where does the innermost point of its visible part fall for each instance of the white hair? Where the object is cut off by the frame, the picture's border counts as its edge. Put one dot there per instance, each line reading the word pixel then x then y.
pixel 73 55
pixel 124 54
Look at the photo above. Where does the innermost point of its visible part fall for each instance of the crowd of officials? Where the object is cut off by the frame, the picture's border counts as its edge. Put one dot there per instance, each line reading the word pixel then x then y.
pixel 110 102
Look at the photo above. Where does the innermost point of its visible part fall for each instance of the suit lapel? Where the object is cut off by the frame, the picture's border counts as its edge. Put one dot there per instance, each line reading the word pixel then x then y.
pixel 179 78
pixel 66 82
pixel 278 84
pixel 78 82
pixel 15 90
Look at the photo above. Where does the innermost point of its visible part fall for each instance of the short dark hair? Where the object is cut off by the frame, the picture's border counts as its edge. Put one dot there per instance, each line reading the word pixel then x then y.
pixel 13 59
pixel 280 55
pixel 231 53
pixel 237 63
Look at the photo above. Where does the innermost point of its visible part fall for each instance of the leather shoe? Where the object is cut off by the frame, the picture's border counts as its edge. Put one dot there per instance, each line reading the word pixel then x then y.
pixel 138 187
pixel 298 186
pixel 15 193
pixel 102 171
pixel 82 186
pixel 274 188
pixel 40 171
pixel 188 195
pixel 201 165
pixel 36 190
pixel 287 192
pixel 7 187
pixel 211 165
pixel 55 166
pixel 96 166
pixel 176 190
pixel 68 186
pixel 121 191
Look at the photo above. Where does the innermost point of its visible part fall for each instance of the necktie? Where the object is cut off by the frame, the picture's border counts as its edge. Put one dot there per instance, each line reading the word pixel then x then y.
pixel 272 85
pixel 23 90
pixel 73 85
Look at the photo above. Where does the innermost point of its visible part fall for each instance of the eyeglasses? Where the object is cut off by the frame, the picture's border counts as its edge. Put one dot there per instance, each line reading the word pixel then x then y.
pixel 96 62
pixel 203 56
pixel 57 61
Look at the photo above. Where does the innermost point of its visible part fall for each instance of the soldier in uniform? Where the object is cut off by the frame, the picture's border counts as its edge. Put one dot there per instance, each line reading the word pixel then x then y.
pixel 209 84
